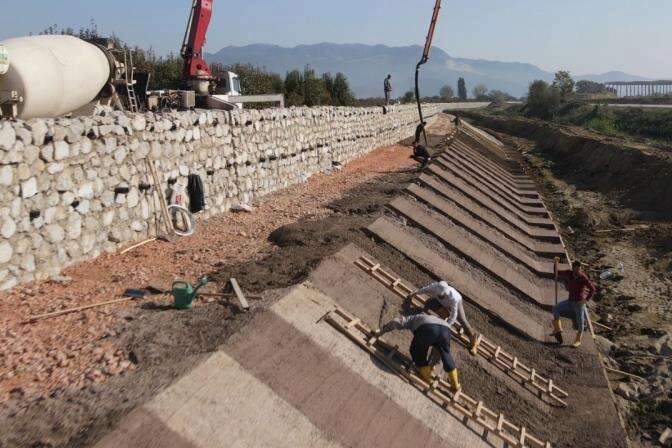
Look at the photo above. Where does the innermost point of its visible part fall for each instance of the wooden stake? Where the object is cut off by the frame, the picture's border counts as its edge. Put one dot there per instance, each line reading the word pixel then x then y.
pixel 128 249
pixel 162 198
pixel 631 375
pixel 556 260
pixel 32 319
pixel 239 293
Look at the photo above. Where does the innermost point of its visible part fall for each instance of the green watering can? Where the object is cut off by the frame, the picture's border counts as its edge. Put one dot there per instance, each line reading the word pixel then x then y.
pixel 184 294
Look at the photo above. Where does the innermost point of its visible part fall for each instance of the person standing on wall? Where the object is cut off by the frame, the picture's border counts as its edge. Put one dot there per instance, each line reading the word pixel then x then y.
pixel 581 290
pixel 387 87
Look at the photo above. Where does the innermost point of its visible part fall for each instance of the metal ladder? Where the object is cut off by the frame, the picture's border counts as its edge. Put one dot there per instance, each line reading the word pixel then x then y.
pixel 130 91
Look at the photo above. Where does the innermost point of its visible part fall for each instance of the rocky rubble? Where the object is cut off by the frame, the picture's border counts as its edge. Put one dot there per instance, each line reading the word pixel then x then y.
pixel 73 188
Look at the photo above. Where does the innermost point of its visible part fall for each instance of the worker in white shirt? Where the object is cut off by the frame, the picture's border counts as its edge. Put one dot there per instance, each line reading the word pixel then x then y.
pixel 428 331
pixel 446 301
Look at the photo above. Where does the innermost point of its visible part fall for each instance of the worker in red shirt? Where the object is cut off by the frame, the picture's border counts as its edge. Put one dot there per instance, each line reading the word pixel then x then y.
pixel 581 290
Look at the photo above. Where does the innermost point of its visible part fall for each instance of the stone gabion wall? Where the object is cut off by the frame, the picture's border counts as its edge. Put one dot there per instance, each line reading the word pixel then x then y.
pixel 71 188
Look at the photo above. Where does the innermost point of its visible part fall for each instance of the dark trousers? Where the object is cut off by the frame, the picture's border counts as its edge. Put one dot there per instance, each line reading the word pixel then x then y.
pixel 437 336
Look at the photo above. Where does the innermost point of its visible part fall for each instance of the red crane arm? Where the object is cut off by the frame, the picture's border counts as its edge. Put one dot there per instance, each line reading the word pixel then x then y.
pixel 432 27
pixel 195 66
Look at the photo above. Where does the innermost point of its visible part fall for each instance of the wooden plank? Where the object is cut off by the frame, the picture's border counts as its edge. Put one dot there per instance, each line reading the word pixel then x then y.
pixel 239 294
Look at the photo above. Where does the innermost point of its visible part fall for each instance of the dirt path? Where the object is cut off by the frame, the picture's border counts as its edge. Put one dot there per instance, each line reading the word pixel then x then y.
pixel 634 302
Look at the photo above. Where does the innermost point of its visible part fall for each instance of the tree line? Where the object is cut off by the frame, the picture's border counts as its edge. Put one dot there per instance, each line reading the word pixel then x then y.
pixel 300 87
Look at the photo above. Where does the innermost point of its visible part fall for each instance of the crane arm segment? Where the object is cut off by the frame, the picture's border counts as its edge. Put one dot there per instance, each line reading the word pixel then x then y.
pixel 195 66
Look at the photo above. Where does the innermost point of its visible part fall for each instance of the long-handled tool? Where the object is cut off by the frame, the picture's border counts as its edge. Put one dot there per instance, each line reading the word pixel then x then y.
pixel 556 261
pixel 162 198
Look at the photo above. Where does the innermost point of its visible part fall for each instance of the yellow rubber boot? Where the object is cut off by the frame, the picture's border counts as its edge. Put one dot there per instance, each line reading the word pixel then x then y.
pixel 454 380
pixel 577 341
pixel 557 330
pixel 426 373
pixel 475 342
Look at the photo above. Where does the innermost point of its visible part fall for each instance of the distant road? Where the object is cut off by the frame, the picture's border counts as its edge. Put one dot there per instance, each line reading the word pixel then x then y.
pixel 467 105
pixel 639 106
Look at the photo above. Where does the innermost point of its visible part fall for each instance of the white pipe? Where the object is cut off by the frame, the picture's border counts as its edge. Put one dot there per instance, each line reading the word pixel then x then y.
pixel 55 75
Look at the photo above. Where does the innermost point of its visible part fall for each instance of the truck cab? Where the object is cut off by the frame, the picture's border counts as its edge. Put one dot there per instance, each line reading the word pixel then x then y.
pixel 229 88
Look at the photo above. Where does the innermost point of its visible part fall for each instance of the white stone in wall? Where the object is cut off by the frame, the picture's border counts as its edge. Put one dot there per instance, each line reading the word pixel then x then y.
pixel 6 175
pixel 30 154
pixel 7 136
pixel 120 154
pixel 8 228
pixel 85 146
pixel 108 218
pixel 88 242
pixel 83 207
pixel 28 263
pixel 54 233
pixel 54 168
pixel 29 188
pixel 132 198
pixel 47 152
pixel 85 191
pixel 144 206
pixel 61 150
pixel 139 123
pixel 67 198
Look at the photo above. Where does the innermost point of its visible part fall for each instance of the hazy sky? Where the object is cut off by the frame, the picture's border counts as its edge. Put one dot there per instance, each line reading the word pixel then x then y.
pixel 584 36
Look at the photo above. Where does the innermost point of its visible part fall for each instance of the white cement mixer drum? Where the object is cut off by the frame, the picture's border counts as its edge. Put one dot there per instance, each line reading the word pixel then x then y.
pixel 55 75
pixel 4 60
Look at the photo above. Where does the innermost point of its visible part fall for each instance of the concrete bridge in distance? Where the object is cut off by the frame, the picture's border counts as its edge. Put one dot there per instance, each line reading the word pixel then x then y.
pixel 639 88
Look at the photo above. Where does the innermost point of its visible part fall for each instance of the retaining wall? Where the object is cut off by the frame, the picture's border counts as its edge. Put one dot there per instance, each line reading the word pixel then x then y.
pixel 72 188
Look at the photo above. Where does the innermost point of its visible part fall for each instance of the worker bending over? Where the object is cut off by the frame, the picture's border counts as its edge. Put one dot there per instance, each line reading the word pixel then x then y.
pixel 581 290
pixel 428 331
pixel 421 155
pixel 446 301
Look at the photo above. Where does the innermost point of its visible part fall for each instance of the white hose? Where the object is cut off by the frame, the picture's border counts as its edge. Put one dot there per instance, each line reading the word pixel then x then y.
pixel 191 228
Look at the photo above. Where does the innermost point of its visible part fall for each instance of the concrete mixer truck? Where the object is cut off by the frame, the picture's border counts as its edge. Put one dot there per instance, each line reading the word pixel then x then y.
pixel 49 76
pixel 55 75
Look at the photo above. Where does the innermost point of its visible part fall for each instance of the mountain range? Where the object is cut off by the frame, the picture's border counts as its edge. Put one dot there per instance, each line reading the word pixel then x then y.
pixel 367 65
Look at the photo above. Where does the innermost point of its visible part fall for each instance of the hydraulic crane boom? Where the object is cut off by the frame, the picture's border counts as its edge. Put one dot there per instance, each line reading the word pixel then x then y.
pixel 197 74
pixel 425 58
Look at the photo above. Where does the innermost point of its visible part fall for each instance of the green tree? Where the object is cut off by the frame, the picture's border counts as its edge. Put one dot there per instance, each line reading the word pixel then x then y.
pixel 586 86
pixel 462 89
pixel 340 92
pixel 480 91
pixel 446 93
pixel 543 100
pixel 314 90
pixel 499 97
pixel 564 83
pixel 294 88
pixel 408 97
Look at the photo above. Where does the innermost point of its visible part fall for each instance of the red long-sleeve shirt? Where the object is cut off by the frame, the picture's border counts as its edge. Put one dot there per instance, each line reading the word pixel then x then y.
pixel 579 285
